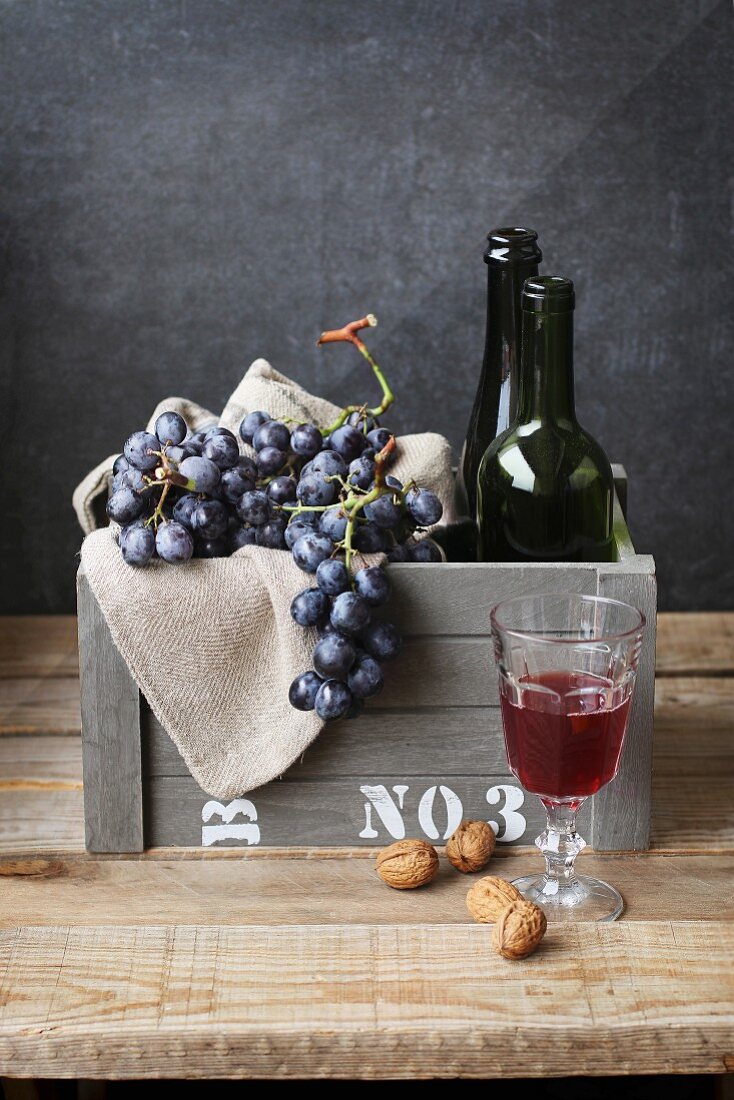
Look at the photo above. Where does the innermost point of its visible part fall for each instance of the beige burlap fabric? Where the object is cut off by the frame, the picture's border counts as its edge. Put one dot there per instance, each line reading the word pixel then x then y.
pixel 211 643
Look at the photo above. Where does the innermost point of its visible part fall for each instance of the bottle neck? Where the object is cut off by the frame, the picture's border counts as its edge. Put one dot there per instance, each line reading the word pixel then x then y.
pixel 504 325
pixel 546 371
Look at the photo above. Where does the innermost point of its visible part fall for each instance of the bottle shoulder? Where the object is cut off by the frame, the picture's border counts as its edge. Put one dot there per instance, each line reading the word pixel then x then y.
pixel 561 450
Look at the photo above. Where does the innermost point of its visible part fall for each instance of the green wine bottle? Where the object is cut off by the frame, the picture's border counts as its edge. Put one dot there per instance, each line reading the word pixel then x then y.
pixel 545 488
pixel 512 256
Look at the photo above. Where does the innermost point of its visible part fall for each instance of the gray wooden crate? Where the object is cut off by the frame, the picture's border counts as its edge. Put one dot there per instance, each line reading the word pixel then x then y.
pixel 427 751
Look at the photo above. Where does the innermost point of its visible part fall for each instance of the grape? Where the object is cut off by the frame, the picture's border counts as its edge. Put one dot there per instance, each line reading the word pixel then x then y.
pixel 120 465
pixel 424 506
pixel 310 550
pixel 302 692
pixel 137 545
pixel 333 522
pixel 270 460
pixel 398 553
pixel 328 463
pixel 369 539
pixel 333 700
pixel 425 550
pixel 306 440
pixel 314 491
pixel 251 423
pixel 296 528
pixel 124 506
pixel 170 428
pixel 365 677
pixel 379 438
pixel 174 543
pixel 394 483
pixel 235 482
pixel 195 442
pixel 177 454
pixel 333 655
pixel 363 421
pixel 222 450
pixel 372 585
pixel 361 472
pixel 271 534
pixel 309 606
pixel 282 490
pixel 384 512
pixel 202 472
pixel 137 450
pixel 348 442
pixel 183 509
pixel 381 640
pixel 350 613
pixel 332 577
pixel 134 479
pixel 211 548
pixel 272 434
pixel 247 466
pixel 240 536
pixel 209 519
pixel 254 507
pixel 356 708
pixel 118 482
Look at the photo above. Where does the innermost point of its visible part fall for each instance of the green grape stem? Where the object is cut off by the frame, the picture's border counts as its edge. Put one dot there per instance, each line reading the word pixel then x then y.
pixel 348 334
pixel 354 505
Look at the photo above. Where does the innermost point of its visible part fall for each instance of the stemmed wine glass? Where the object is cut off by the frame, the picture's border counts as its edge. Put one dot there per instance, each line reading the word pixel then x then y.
pixel 567 667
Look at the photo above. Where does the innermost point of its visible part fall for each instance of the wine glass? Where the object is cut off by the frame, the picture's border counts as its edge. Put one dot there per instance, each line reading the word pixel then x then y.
pixel 567 667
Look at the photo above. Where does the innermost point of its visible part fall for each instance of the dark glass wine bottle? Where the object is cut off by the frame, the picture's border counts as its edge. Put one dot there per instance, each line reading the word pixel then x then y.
pixel 545 488
pixel 512 256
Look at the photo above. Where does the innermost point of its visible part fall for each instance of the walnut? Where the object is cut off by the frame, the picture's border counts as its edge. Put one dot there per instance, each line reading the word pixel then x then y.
pixel 470 846
pixel 407 864
pixel 519 930
pixel 488 897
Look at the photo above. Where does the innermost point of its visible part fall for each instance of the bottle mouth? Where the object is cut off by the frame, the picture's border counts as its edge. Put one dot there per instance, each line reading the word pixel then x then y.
pixel 548 294
pixel 512 245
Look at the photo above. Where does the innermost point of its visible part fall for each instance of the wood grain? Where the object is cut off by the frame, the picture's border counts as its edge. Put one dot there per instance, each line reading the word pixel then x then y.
pixel 394 1001
pixel 700 643
pixel 34 705
pixel 38 645
pixel 111 760
pixel 85 889
pixel 41 819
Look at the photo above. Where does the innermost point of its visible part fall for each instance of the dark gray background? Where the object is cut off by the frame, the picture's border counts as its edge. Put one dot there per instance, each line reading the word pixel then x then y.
pixel 187 186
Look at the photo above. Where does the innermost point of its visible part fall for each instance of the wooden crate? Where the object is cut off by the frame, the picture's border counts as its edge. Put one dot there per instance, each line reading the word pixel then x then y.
pixel 427 751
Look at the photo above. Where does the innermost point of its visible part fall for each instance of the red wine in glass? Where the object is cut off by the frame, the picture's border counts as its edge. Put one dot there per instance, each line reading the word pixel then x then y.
pixel 564 737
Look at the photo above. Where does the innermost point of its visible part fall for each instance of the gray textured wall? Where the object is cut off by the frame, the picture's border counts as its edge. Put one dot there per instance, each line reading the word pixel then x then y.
pixel 189 185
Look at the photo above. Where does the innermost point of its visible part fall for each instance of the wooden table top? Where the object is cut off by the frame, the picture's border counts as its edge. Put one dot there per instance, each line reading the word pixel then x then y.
pixel 278 964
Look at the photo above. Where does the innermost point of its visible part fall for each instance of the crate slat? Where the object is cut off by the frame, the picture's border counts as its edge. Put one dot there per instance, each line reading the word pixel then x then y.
pixel 342 811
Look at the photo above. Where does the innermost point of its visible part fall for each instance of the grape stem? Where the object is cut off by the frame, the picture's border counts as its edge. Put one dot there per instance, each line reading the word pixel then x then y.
pixel 354 505
pixel 348 334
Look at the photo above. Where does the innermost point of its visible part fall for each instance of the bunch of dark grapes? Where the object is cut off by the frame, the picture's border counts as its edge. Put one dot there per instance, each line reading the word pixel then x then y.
pixel 323 494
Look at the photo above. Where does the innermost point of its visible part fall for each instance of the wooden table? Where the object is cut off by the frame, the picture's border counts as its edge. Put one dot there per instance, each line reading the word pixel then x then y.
pixel 302 964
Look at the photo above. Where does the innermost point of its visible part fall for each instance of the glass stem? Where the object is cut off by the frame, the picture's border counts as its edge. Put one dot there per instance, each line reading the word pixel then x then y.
pixel 560 844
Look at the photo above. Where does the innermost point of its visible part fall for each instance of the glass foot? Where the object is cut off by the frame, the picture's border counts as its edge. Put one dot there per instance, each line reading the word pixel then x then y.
pixel 580 899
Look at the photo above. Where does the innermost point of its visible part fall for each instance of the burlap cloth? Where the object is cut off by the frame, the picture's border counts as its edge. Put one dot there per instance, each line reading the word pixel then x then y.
pixel 211 643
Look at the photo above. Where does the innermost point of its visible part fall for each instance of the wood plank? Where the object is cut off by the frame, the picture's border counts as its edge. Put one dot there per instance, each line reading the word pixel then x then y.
pixel 696 643
pixel 110 706
pixel 621 810
pixel 40 763
pixel 443 740
pixel 87 889
pixel 409 1001
pixel 38 645
pixel 691 812
pixel 41 820
pixel 452 598
pixel 336 812
pixel 46 706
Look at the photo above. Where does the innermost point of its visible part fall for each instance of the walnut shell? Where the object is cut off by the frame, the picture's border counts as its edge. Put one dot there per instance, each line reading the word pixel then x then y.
pixel 470 847
pixel 519 930
pixel 407 864
pixel 488 897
